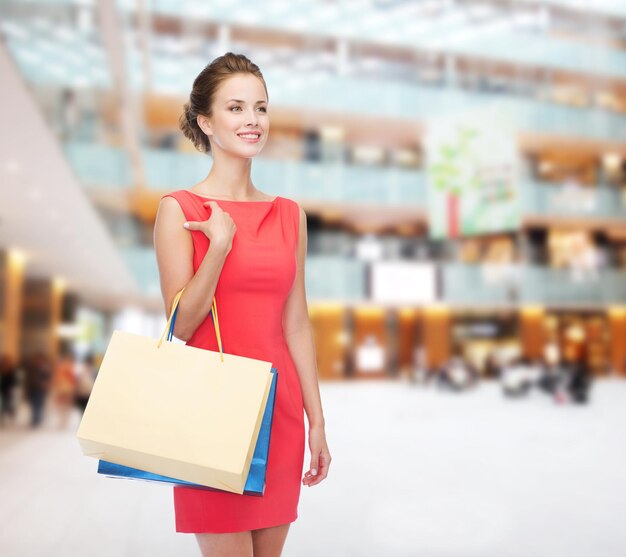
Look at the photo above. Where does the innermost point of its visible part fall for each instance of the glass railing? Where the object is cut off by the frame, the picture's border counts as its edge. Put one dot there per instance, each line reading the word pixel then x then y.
pixel 102 166
pixel 331 277
pixel 99 165
pixel 530 284
pixel 554 286
pixel 83 64
pixel 478 284
pixel 143 264
pixel 603 201
pixel 109 167
pixel 411 101
pixel 327 277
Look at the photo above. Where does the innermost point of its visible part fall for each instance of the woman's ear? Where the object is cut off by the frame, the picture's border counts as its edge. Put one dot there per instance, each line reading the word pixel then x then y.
pixel 204 124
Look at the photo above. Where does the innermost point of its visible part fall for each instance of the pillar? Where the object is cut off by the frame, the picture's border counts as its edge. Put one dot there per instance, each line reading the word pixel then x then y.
pixel 617 325
pixel 12 265
pixel 532 334
pixel 437 335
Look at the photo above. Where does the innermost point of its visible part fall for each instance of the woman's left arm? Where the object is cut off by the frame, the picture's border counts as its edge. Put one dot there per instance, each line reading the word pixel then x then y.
pixel 298 334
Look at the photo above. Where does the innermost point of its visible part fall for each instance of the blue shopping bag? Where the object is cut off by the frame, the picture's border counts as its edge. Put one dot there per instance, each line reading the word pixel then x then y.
pixel 255 482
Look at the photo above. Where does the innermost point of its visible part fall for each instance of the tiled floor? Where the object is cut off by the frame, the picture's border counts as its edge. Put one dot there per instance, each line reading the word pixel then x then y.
pixel 415 472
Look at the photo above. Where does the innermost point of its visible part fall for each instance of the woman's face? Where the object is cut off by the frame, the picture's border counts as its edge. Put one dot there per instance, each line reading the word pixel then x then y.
pixel 239 109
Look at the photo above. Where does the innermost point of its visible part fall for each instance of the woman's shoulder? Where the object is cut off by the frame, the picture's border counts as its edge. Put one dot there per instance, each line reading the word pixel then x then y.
pixel 292 202
pixel 179 204
pixel 297 214
pixel 296 208
pixel 176 194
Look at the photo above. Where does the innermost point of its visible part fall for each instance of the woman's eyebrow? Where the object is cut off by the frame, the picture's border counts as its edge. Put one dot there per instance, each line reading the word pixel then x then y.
pixel 240 101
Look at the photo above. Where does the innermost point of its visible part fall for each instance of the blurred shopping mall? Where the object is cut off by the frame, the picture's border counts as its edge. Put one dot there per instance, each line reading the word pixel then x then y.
pixel 462 165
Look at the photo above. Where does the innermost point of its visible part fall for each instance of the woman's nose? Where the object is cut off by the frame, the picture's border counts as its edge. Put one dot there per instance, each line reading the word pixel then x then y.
pixel 252 117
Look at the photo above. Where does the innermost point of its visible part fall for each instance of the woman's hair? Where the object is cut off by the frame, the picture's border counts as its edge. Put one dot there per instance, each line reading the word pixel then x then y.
pixel 203 93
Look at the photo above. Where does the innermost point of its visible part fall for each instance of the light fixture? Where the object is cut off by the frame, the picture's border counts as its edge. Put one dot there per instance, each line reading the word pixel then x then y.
pixel 612 161
pixel 16 257
pixel 59 284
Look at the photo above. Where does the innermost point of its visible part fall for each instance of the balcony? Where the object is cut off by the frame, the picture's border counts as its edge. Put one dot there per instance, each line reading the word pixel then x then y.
pixel 530 284
pixel 338 278
pixel 83 64
pixel 100 166
pixel 603 201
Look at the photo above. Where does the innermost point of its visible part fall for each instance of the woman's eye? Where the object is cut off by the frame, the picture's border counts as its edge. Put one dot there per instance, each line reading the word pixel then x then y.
pixel 261 108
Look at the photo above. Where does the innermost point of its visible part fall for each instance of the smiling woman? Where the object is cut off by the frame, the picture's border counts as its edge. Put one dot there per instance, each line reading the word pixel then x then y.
pixel 223 238
pixel 195 120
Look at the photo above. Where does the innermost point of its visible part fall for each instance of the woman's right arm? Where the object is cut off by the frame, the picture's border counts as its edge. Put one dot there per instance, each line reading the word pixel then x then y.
pixel 174 252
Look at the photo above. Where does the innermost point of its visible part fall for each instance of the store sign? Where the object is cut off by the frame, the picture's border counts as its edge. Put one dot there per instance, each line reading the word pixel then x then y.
pixel 403 282
pixel 472 167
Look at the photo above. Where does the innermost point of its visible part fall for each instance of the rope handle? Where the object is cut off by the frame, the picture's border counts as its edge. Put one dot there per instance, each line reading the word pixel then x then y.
pixel 169 327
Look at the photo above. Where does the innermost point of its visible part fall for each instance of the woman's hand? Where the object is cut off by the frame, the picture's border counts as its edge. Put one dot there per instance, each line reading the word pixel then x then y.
pixel 219 228
pixel 320 457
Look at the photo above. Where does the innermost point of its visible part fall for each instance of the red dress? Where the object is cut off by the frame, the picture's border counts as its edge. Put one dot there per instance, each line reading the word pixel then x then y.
pixel 256 278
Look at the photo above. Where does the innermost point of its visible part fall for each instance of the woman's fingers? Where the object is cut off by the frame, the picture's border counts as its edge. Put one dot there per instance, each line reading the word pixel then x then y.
pixel 308 476
pixel 323 464
pixel 313 471
pixel 192 225
pixel 314 463
pixel 322 472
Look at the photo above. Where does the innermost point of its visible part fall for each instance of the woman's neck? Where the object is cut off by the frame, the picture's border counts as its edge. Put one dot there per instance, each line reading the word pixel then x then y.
pixel 229 177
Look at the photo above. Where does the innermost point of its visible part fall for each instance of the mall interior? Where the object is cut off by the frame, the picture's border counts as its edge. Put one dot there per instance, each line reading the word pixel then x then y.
pixel 462 166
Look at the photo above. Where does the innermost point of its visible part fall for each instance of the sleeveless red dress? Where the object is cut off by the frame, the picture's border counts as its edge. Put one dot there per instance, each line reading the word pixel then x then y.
pixel 251 292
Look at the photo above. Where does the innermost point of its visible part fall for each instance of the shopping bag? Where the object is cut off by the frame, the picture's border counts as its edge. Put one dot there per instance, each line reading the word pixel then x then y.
pixel 177 410
pixel 255 483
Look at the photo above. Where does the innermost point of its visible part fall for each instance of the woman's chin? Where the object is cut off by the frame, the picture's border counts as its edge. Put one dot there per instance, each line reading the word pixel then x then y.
pixel 243 151
pixel 249 152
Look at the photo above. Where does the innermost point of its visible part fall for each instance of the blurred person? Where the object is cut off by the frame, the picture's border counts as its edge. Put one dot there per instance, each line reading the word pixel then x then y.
pixel 492 365
pixel 312 145
pixel 518 378
pixel 550 379
pixel 575 381
pixel 457 375
pixel 419 370
pixel 85 380
pixel 69 114
pixel 64 388
pixel 8 382
pixel 552 372
pixel 38 376
pixel 225 229
pixel 579 383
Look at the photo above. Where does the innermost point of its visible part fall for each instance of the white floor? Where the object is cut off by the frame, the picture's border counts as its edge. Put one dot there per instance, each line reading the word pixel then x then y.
pixel 416 472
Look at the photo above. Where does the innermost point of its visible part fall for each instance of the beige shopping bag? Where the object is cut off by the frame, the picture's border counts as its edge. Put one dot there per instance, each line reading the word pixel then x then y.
pixel 176 410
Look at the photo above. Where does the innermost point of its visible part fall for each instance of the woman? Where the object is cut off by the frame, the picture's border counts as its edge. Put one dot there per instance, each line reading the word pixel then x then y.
pixel 226 238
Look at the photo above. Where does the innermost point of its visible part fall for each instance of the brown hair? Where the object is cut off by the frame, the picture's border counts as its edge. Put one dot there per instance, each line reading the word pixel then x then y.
pixel 203 93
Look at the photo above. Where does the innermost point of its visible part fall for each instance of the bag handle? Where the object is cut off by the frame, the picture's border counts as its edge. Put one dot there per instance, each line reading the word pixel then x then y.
pixel 169 328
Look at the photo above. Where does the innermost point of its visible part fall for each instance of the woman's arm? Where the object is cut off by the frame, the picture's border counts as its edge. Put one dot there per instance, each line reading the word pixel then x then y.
pixel 298 334
pixel 174 251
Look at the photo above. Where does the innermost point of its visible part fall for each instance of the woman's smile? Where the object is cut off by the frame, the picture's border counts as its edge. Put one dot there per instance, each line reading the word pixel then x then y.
pixel 250 137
